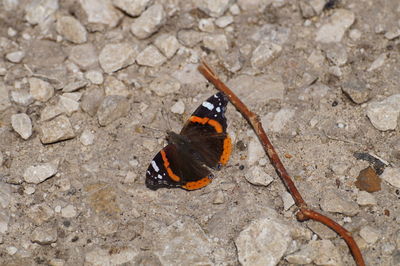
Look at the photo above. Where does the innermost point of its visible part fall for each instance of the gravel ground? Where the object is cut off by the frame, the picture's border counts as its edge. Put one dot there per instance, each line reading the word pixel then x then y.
pixel 80 78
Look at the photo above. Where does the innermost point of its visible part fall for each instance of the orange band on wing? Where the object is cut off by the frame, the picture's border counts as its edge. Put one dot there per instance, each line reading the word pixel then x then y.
pixel 166 165
pixel 205 120
pixel 197 184
pixel 226 151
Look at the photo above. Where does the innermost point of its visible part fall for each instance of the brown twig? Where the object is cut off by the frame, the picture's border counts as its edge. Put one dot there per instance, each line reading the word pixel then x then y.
pixel 304 212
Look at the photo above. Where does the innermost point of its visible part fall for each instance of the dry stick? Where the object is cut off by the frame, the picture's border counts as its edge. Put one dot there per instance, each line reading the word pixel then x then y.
pixel 305 213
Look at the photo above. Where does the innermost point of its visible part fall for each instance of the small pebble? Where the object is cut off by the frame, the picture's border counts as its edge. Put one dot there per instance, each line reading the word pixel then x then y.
pixel 40 90
pixel 21 97
pixel 151 57
pixel 149 21
pixel 168 44
pixel 378 62
pixel 87 137
pixel 38 173
pixel 224 21
pixel 365 199
pixel 15 57
pixel 84 55
pixel 334 29
pixel 392 176
pixel 115 56
pixel 113 86
pixel 206 24
pixel 133 8
pixel 257 176
pixel 44 235
pixel 370 234
pixel 130 177
pixel 287 200
pixel 334 202
pixel 68 211
pixel 112 108
pixel 219 197
pixel 11 250
pixel 384 114
pixel 22 124
pixel 264 54
pixel 71 29
pixel 163 85
pixel 55 130
pixel 178 107
pixel 96 77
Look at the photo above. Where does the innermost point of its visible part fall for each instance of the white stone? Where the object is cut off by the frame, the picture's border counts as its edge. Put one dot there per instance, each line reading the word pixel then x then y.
pixel 257 176
pixel 55 130
pixel 364 198
pixel 4 100
pixel 38 173
pixel 40 89
pixel 68 105
pixel 392 176
pixel 94 76
pixel 116 56
pixel 29 190
pixel 101 11
pixel 384 114
pixel 51 111
pixel 149 21
pixel 188 74
pixel 167 44
pixel 151 57
pixel 355 34
pixel 68 211
pixel 112 108
pixel 44 235
pixel 264 54
pixel 370 234
pixel 254 5
pixel 390 35
pixel 133 8
pixel 277 121
pixel 38 12
pixel 255 151
pixel 334 202
pixel 178 107
pixel 87 137
pixel 113 86
pixel 378 62
pixel 213 8
pixel 130 177
pixel 11 250
pixel 84 55
pixel 216 42
pixel 164 85
pixel 15 57
pixel 224 21
pixel 21 97
pixel 71 29
pixel 263 242
pixel 287 200
pixel 334 29
pixel 206 24
pixel 22 124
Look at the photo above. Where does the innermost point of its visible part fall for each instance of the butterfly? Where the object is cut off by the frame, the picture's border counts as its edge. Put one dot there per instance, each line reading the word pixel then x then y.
pixel 202 144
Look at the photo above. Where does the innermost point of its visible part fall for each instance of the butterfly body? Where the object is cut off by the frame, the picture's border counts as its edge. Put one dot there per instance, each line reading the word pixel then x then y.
pixel 203 143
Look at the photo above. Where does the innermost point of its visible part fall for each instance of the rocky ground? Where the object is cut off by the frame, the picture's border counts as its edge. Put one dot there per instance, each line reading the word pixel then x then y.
pixel 80 78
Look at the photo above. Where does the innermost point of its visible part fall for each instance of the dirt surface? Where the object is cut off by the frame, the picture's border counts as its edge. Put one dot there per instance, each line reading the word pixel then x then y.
pixel 323 95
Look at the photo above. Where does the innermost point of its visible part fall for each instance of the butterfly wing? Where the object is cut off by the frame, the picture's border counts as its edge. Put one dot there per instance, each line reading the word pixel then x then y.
pixel 206 128
pixel 169 169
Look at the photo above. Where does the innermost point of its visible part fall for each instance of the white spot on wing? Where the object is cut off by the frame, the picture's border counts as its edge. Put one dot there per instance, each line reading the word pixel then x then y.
pixel 159 176
pixel 153 163
pixel 218 109
pixel 208 105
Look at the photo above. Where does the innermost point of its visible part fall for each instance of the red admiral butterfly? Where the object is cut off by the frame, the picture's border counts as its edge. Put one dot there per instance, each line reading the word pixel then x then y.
pixel 202 144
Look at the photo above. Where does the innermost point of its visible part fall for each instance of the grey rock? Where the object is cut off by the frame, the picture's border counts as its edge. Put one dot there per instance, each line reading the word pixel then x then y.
pixel 71 29
pixel 335 27
pixel 112 108
pixel 263 242
pixel 51 111
pixel 99 256
pixel 263 88
pixel 366 199
pixel 114 86
pixel 254 5
pixel 22 124
pixel 257 176
pixel 74 86
pixel 167 44
pixel 333 202
pixel 4 100
pixel 232 60
pixel 321 230
pixel 392 176
pixel 38 173
pixel 40 89
pixel 56 130
pixel 95 77
pixel 189 38
pixel 101 11
pixel 68 211
pixel 317 5
pixel 378 62
pixel 164 85
pixel 370 234
pixel 51 54
pixel 68 105
pixel 384 114
pixel 255 151
pixel 87 137
pixel 392 34
pixel 15 57
pixel 151 57
pixel 287 200
pixel 21 97
pixel 224 21
pixel 91 100
pixel 316 92
pixel 339 168
pixel 219 197
pixel 149 21
pixel 44 235
pixel 178 107
pixel 37 12
pixel 277 121
pixel 84 55
pixel 216 42
pixel 181 241
pixel 133 8
pixel 213 8
pixel 264 54
pixel 188 74
pixel 40 213
pixel 206 25
pixel 116 56
pixel 307 11
pixel 337 54
pixel 356 90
